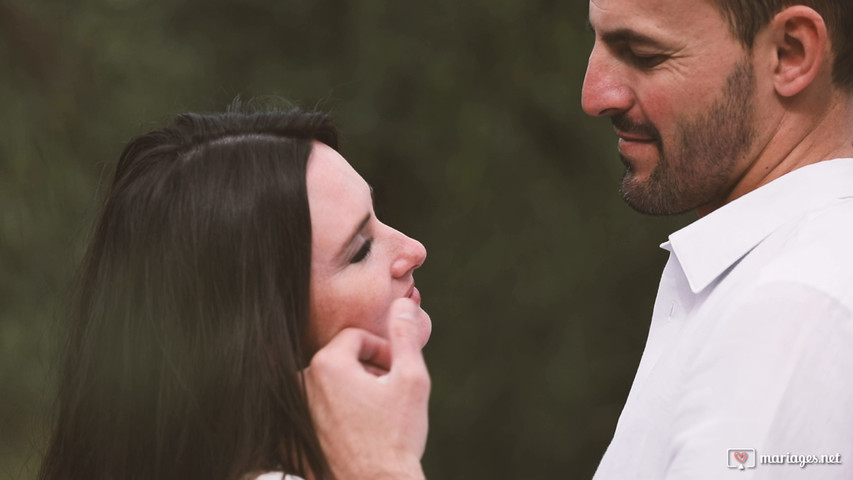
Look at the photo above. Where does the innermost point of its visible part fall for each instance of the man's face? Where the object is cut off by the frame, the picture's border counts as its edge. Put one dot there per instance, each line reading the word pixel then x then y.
pixel 679 89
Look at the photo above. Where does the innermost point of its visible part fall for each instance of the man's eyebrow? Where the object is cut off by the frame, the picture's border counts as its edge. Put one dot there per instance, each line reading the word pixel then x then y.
pixel 625 35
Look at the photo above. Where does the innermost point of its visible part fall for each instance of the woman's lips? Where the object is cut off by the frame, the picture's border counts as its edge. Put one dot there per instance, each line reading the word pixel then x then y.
pixel 414 294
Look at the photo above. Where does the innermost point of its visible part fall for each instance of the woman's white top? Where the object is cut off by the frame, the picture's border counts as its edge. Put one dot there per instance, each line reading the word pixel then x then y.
pixel 277 476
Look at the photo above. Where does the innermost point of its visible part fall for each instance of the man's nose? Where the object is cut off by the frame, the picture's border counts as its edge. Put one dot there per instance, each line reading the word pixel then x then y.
pixel 605 91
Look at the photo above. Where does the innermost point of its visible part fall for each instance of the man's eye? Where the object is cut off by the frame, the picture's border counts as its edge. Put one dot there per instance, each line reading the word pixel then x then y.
pixel 647 61
pixel 362 252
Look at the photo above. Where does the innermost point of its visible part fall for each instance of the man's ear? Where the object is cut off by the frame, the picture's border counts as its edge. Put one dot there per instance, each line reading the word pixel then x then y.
pixel 800 40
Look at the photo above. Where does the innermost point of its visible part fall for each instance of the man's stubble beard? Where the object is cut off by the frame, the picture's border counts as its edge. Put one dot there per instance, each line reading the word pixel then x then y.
pixel 698 169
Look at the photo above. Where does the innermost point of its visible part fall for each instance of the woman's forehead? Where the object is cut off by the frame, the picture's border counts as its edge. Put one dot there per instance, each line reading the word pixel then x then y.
pixel 329 176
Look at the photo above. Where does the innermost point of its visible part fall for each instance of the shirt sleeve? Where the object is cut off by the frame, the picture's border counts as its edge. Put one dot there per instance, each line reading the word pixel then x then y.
pixel 775 379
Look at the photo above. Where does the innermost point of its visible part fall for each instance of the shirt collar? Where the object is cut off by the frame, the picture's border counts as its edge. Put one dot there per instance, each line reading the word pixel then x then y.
pixel 709 246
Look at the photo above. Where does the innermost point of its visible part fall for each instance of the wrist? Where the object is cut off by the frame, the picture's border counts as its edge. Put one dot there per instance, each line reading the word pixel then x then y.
pixel 412 473
pixel 410 468
pixel 404 470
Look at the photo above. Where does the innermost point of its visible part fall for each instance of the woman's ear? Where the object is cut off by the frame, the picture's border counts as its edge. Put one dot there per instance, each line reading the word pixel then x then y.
pixel 800 40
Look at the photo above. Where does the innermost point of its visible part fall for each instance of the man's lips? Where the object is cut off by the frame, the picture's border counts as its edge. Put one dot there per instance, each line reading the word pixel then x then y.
pixel 636 145
pixel 628 137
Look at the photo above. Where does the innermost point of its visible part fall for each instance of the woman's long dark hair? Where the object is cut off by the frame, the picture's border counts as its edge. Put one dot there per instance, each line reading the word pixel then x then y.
pixel 185 339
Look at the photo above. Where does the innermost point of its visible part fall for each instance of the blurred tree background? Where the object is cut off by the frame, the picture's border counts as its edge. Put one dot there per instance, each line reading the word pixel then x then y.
pixel 466 119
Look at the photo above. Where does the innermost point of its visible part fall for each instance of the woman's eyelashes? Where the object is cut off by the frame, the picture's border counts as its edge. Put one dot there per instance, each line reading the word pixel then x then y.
pixel 362 252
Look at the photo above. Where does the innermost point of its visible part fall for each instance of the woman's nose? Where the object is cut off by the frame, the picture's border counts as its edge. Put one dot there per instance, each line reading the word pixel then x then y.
pixel 409 256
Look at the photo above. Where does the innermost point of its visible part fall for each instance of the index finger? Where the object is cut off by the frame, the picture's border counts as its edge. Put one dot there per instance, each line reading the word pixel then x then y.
pixel 350 346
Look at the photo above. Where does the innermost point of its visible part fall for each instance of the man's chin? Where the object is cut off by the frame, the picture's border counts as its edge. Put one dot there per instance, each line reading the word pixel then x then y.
pixel 632 193
pixel 635 183
pixel 643 195
pixel 651 199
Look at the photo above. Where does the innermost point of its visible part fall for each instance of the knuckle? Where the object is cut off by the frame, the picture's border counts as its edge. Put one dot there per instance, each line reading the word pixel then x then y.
pixel 416 379
pixel 320 361
pixel 327 357
pixel 425 384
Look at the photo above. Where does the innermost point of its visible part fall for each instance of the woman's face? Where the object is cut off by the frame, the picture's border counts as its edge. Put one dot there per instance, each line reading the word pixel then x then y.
pixel 359 265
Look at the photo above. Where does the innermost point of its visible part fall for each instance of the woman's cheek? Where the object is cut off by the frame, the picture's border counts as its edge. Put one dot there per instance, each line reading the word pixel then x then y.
pixel 368 309
pixel 360 298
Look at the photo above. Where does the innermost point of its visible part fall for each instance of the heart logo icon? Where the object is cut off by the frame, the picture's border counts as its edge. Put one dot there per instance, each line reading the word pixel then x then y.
pixel 741 456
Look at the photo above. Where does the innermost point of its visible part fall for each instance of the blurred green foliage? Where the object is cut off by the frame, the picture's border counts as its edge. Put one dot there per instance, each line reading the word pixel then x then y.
pixel 466 119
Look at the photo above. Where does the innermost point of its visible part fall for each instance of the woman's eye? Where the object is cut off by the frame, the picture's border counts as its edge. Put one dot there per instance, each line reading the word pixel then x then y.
pixel 362 252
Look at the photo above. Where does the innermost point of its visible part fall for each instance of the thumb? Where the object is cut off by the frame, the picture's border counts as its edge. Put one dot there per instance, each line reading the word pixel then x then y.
pixel 405 334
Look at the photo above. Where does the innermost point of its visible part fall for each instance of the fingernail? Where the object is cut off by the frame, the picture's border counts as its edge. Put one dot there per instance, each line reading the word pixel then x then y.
pixel 407 316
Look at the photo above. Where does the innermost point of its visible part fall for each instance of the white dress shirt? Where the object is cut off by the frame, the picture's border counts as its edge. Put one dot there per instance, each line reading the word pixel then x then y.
pixel 751 341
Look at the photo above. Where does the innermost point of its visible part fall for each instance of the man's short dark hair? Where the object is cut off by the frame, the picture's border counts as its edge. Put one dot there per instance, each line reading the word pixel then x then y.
pixel 747 17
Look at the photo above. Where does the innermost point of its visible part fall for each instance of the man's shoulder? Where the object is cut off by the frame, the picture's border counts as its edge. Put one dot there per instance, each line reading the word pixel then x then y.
pixel 815 250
